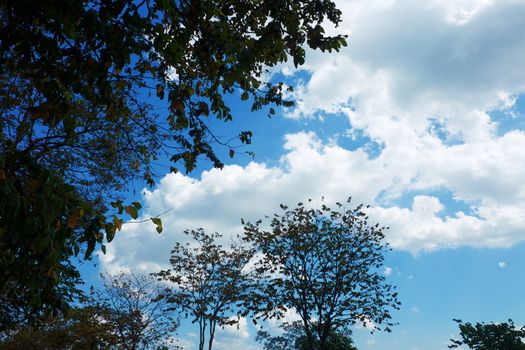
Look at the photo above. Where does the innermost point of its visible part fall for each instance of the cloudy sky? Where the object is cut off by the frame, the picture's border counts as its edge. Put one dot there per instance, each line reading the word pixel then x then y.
pixel 422 116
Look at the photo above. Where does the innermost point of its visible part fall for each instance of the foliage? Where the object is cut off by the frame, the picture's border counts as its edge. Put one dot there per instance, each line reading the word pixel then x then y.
pixel 76 126
pixel 38 217
pixel 80 329
pixel 134 308
pixel 325 264
pixel 128 313
pixel 294 338
pixel 490 336
pixel 210 283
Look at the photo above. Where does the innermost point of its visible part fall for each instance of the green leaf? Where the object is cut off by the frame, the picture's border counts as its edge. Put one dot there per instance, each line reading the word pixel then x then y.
pixel 118 205
pixel 117 222
pixel 132 211
pixel 157 222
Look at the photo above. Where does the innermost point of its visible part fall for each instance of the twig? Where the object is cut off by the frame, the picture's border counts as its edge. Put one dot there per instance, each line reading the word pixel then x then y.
pixel 145 220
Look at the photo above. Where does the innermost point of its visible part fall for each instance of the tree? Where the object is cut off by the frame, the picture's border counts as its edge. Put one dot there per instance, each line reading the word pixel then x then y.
pixel 325 264
pixel 128 313
pixel 490 336
pixel 133 306
pixel 210 282
pixel 76 122
pixel 294 338
pixel 80 329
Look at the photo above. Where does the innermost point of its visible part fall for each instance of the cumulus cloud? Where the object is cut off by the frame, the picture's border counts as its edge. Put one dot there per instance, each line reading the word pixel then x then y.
pixel 414 59
pixel 239 330
pixel 310 168
pixel 421 79
pixel 418 78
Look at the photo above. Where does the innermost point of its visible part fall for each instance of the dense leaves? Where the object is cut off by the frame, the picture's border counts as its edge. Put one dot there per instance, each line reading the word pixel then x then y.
pixel 294 338
pixel 490 336
pixel 325 264
pixel 76 81
pixel 80 329
pixel 39 215
pixel 209 283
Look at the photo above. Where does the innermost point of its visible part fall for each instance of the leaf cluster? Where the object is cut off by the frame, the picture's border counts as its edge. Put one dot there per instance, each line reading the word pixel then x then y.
pixel 294 338
pixel 490 336
pixel 76 125
pixel 325 264
pixel 81 328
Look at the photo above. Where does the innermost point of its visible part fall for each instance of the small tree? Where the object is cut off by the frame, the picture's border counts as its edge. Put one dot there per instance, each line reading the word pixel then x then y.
pixel 294 338
pixel 134 307
pixel 209 282
pixel 325 264
pixel 81 328
pixel 490 336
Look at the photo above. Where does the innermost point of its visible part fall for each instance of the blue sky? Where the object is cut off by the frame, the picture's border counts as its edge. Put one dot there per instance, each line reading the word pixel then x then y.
pixel 423 118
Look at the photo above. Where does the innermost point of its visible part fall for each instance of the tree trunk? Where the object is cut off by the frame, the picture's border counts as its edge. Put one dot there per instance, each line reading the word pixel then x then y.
pixel 202 333
pixel 212 334
pixel 309 336
pixel 324 334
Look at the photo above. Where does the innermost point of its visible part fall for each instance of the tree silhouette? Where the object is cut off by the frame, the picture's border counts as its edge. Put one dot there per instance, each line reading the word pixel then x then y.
pixel 325 264
pixel 490 336
pixel 209 282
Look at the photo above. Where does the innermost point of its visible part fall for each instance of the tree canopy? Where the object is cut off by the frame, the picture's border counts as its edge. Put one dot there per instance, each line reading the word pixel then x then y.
pixel 490 336
pixel 208 283
pixel 325 264
pixel 80 329
pixel 77 81
pixel 294 338
pixel 134 308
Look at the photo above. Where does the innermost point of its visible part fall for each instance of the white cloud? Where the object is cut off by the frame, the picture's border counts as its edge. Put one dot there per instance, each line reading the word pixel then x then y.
pixel 239 330
pixel 273 325
pixel 312 169
pixel 411 62
pixel 234 343
pixel 420 78
pixel 366 323
pixel 407 61
pixel 414 59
